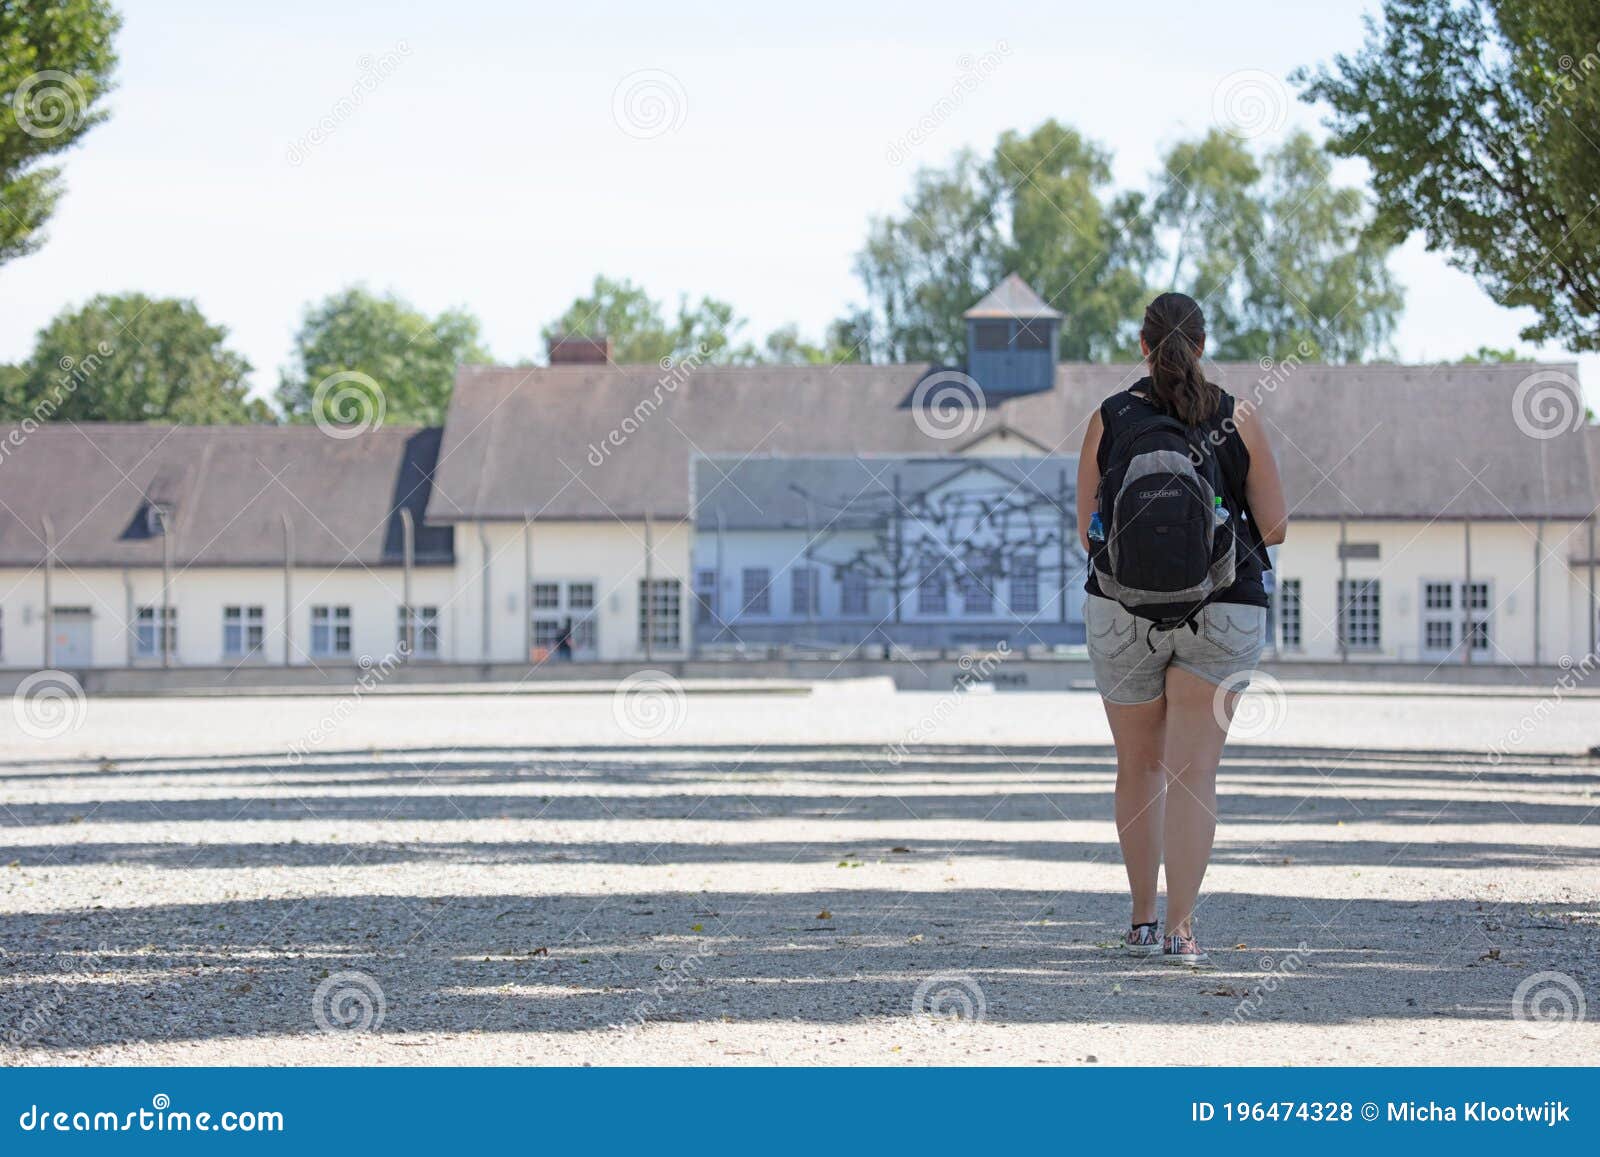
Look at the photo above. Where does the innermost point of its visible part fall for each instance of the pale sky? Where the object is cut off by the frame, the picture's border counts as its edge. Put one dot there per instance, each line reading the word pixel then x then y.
pixel 489 169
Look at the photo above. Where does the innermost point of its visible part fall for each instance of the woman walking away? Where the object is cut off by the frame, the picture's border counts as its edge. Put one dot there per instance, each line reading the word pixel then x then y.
pixel 1178 499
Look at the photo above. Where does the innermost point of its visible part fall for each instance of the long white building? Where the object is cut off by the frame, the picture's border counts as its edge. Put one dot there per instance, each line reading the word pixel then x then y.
pixel 1440 514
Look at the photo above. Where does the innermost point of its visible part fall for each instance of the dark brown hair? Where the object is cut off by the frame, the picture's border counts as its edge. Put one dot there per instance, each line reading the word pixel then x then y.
pixel 1175 330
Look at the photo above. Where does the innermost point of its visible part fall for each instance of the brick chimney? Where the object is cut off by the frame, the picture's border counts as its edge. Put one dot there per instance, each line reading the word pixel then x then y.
pixel 576 350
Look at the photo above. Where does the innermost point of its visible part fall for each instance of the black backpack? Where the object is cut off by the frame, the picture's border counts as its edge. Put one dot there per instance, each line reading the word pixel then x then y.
pixel 1165 554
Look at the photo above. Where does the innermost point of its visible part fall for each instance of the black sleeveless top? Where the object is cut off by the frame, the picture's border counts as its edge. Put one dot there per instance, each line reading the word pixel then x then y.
pixel 1119 411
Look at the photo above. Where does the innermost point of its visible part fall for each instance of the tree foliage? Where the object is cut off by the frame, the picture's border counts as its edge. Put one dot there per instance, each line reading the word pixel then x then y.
pixel 1282 259
pixel 56 60
pixel 132 358
pixel 1480 120
pixel 355 335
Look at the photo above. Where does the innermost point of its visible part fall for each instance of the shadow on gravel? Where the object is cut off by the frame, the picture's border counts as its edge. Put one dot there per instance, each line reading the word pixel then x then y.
pixel 571 963
pixel 576 963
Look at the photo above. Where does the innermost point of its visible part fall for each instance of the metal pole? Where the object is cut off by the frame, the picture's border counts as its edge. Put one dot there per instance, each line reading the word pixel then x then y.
pixel 483 546
pixel 527 588
pixel 649 587
pixel 49 587
pixel 899 545
pixel 1061 586
pixel 1538 558
pixel 166 588
pixel 408 553
pixel 716 594
pixel 811 574
pixel 1592 612
pixel 288 592
pixel 1341 613
pixel 1466 597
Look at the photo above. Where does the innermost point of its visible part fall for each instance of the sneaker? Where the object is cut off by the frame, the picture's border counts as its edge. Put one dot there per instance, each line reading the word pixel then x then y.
pixel 1141 940
pixel 1177 949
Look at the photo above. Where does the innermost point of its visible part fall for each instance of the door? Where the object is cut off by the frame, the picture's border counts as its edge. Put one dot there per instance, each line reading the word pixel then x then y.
pixel 72 636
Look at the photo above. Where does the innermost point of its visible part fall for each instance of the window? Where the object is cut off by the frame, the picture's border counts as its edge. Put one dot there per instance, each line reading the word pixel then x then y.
pixel 993 335
pixel 930 592
pixel 803 591
pixel 1453 612
pixel 1289 614
pixel 705 596
pixel 757 591
pixel 976 597
pixel 1025 585
pixel 1033 335
pixel 424 630
pixel 568 607
pixel 853 593
pixel 330 631
pixel 659 613
pixel 242 631
pixel 1359 614
pixel 147 639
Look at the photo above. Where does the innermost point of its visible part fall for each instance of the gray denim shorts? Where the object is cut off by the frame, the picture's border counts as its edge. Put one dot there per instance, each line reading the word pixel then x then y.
pixel 1127 670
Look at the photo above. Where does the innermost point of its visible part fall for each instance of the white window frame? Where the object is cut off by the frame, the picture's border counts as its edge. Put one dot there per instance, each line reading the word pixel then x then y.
pixel 1343 618
pixel 1280 597
pixel 569 601
pixel 1455 618
pixel 331 619
pixel 250 621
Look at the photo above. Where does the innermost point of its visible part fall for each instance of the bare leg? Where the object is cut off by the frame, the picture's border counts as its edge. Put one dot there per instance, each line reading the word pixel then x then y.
pixel 1194 739
pixel 1137 730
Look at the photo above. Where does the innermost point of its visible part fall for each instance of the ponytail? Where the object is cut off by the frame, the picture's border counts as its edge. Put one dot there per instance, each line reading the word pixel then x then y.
pixel 1174 329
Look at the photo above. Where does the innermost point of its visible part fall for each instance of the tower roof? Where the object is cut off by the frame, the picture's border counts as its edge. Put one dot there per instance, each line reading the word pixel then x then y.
pixel 1012 298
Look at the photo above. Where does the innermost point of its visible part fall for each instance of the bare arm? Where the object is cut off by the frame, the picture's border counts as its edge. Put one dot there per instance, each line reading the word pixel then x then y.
pixel 1088 478
pixel 1263 488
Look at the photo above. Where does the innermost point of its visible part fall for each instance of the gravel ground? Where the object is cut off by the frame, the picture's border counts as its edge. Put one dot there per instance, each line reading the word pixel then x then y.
pixel 504 879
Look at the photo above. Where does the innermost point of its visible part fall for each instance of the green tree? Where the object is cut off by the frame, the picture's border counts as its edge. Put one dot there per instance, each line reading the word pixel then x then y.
pixel 785 347
pixel 354 337
pixel 56 60
pixel 132 358
pixel 1479 120
pixel 636 323
pixel 922 270
pixel 1283 260
pixel 1086 249
pixel 1489 355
